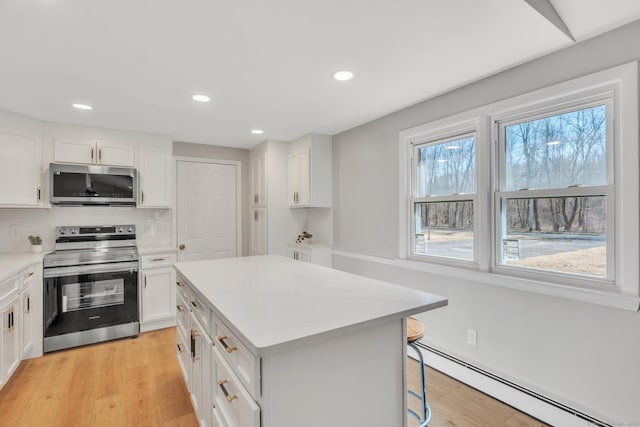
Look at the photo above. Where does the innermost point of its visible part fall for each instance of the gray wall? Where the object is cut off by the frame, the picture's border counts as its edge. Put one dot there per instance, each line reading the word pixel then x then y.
pixel 584 355
pixel 187 149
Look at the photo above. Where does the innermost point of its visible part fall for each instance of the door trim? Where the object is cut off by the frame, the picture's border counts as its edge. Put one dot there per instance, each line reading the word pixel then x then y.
pixel 238 165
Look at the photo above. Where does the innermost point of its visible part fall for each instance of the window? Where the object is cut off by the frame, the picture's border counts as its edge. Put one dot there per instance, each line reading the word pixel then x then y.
pixel 554 191
pixel 444 187
pixel 538 192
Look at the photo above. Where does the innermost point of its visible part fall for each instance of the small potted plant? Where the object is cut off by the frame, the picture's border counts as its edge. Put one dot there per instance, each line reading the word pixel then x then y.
pixel 36 243
pixel 304 236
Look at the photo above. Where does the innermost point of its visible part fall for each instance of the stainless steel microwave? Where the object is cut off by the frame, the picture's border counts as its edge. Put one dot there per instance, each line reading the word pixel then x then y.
pixel 79 185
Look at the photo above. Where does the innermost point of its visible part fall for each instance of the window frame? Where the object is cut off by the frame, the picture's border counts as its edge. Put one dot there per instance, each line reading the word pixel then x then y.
pixel 500 195
pixel 622 82
pixel 435 137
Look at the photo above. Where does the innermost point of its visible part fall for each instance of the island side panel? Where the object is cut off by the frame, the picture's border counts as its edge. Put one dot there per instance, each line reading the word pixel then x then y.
pixel 356 379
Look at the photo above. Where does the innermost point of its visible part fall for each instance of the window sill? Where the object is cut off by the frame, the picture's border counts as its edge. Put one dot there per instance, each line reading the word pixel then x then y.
pixel 589 296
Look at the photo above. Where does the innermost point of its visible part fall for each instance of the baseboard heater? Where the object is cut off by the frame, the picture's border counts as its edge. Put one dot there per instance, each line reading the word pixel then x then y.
pixel 572 411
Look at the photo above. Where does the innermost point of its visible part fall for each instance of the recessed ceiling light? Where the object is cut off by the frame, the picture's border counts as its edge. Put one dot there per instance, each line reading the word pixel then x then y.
pixel 82 107
pixel 201 98
pixel 257 131
pixel 553 142
pixel 343 75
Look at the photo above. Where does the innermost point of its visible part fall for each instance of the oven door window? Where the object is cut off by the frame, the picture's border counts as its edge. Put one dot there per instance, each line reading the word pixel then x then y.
pixel 94 294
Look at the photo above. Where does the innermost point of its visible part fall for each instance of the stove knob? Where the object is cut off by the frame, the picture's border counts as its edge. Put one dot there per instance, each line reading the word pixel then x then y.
pixel 120 230
pixel 130 229
pixel 74 231
pixel 63 232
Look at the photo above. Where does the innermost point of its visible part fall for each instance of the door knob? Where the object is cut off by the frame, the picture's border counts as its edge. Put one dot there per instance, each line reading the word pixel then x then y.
pixel 181 247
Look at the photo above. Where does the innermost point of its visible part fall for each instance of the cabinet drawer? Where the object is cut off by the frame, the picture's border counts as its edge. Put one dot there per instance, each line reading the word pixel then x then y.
pixel 201 312
pixel 182 289
pixel 244 364
pixel 27 275
pixel 233 405
pixel 160 260
pixel 182 315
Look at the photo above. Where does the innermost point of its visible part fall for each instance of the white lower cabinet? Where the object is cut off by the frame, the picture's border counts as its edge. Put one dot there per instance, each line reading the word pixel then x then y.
pixel 233 406
pixel 20 319
pixel 219 396
pixel 31 311
pixel 10 350
pixel 315 254
pixel 200 390
pixel 158 295
pixel 27 321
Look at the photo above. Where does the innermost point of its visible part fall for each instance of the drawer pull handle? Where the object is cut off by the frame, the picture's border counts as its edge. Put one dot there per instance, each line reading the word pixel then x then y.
pixel 158 259
pixel 180 348
pixel 193 303
pixel 224 344
pixel 230 398
pixel 180 284
pixel 180 308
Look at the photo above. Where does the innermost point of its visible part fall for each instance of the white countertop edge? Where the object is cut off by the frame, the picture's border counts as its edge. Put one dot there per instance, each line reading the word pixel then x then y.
pixel 318 337
pixel 13 263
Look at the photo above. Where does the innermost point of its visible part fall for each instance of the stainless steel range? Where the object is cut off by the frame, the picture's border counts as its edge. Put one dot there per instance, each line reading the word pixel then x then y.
pixel 91 286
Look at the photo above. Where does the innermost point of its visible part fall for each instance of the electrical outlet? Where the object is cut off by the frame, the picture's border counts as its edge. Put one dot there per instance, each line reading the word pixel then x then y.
pixel 472 337
pixel 14 230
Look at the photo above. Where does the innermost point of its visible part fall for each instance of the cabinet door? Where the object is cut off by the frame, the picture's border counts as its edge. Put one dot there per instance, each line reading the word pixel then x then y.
pixel 19 170
pixel 158 294
pixel 304 173
pixel 10 337
pixel 26 328
pixel 233 406
pixel 75 151
pixel 115 155
pixel 184 356
pixel 259 180
pixel 155 177
pixel 197 381
pixel 293 179
pixel 206 419
pixel 259 231
pixel 304 255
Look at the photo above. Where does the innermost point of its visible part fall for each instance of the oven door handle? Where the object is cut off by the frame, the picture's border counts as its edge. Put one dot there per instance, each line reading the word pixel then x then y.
pixel 91 269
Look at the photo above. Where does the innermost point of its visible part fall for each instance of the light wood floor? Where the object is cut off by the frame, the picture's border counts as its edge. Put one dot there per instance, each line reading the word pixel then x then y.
pixel 137 382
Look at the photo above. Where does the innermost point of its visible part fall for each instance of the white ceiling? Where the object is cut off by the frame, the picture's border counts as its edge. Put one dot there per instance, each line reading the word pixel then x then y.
pixel 265 64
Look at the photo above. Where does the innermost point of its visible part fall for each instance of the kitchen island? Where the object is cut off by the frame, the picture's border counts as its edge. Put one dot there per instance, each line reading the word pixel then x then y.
pixel 276 343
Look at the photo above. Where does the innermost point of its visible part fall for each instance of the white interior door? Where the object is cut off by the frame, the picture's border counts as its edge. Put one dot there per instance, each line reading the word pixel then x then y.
pixel 207 211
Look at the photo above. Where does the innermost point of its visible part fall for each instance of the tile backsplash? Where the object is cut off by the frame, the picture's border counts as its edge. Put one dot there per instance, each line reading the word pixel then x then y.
pixel 153 226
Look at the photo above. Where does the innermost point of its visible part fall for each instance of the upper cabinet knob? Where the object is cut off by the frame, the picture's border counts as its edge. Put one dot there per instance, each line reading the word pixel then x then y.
pixel 181 247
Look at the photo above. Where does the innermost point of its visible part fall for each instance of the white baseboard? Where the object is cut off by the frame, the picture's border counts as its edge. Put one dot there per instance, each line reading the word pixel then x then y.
pixel 518 399
pixel 157 324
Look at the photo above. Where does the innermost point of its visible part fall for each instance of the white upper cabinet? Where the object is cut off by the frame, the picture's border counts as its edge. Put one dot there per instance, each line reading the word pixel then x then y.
pixel 154 173
pixel 20 170
pixel 89 151
pixel 258 231
pixel 310 172
pixel 258 173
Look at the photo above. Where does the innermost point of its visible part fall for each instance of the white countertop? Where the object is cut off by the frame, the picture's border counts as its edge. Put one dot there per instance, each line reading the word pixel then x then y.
pixel 275 302
pixel 12 263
